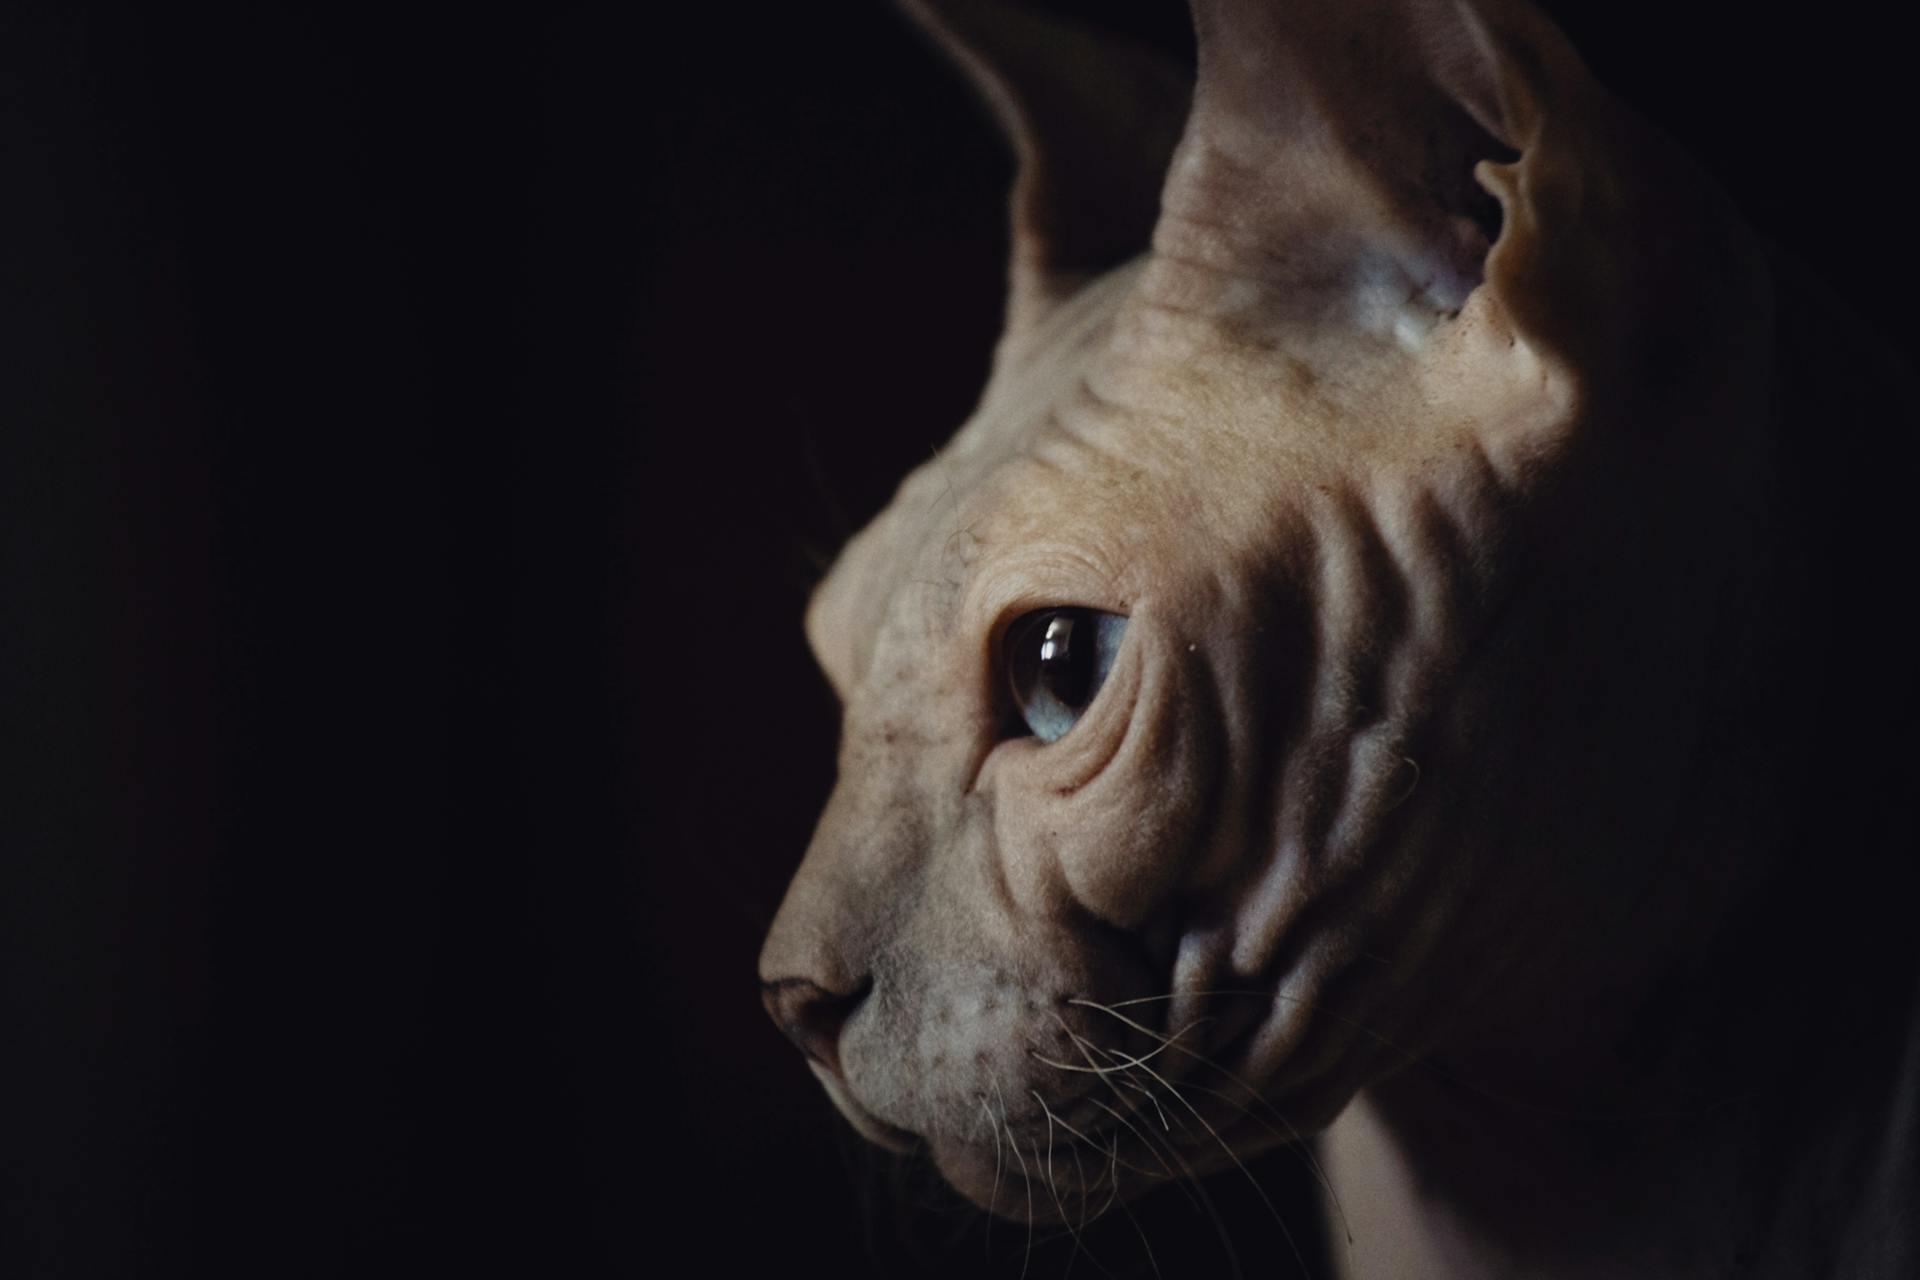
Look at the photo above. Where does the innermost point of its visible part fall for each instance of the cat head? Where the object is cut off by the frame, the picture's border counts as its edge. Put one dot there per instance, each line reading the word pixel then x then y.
pixel 1292 668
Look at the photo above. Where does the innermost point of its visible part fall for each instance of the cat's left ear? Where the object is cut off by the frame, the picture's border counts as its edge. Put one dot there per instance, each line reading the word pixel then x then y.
pixel 1093 118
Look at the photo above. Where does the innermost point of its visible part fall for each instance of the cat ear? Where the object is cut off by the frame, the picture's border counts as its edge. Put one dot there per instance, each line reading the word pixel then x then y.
pixel 1093 119
pixel 1400 161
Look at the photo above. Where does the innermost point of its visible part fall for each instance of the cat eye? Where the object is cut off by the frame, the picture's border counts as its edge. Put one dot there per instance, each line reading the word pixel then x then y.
pixel 1057 659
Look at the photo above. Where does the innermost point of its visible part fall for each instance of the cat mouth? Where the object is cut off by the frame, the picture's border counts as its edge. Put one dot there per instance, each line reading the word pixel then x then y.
pixel 1025 1180
pixel 1106 1101
pixel 1074 1175
pixel 1146 1118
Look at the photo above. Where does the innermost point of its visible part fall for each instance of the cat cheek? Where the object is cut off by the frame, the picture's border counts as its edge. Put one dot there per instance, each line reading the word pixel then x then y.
pixel 1134 832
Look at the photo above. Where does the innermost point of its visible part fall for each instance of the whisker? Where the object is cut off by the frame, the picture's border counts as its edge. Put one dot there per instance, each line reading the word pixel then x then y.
pixel 1081 1044
pixel 1169 1043
pixel 999 1158
pixel 1408 1055
pixel 1312 1161
pixel 1057 1065
pixel 1290 1140
pixel 1113 1177
pixel 1096 1146
pixel 1151 1150
pixel 1144 1242
pixel 1205 1201
pixel 1245 1172
pixel 1027 1259
pixel 1080 1180
pixel 1148 1094
pixel 1053 1185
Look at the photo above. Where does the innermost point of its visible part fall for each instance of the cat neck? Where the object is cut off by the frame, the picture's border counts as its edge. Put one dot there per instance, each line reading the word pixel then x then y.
pixel 1751 1112
pixel 1748 1102
pixel 1788 1173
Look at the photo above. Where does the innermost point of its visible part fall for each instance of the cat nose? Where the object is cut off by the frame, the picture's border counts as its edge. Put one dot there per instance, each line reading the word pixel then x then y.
pixel 812 1016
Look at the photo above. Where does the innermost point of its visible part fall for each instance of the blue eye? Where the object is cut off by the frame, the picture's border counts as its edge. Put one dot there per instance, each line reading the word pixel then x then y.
pixel 1057 659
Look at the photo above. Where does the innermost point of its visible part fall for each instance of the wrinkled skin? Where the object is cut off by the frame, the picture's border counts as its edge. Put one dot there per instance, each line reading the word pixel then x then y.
pixel 1430 551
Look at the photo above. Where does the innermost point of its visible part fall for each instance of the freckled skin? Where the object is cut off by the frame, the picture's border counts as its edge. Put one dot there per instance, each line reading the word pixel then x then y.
pixel 1431 553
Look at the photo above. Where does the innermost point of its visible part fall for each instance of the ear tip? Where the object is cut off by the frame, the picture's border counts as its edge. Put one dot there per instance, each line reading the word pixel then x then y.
pixel 1092 115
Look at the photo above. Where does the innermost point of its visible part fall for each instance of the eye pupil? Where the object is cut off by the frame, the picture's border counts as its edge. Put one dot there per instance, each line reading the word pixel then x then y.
pixel 1066 668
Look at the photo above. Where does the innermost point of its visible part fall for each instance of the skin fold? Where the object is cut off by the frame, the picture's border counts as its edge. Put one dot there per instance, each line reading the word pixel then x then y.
pixel 1438 429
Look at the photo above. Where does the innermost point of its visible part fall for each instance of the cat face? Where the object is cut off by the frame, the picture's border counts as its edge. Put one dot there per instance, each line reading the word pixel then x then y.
pixel 1284 674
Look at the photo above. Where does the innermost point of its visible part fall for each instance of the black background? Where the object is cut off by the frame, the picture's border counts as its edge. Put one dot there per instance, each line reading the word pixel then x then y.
pixel 420 432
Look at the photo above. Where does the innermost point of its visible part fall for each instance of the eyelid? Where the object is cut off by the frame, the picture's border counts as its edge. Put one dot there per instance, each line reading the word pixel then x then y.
pixel 1049 575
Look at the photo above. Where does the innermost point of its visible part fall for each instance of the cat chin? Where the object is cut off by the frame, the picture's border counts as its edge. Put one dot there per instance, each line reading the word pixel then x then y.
pixel 1063 1180
pixel 1022 1190
pixel 980 1174
pixel 1171 1145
